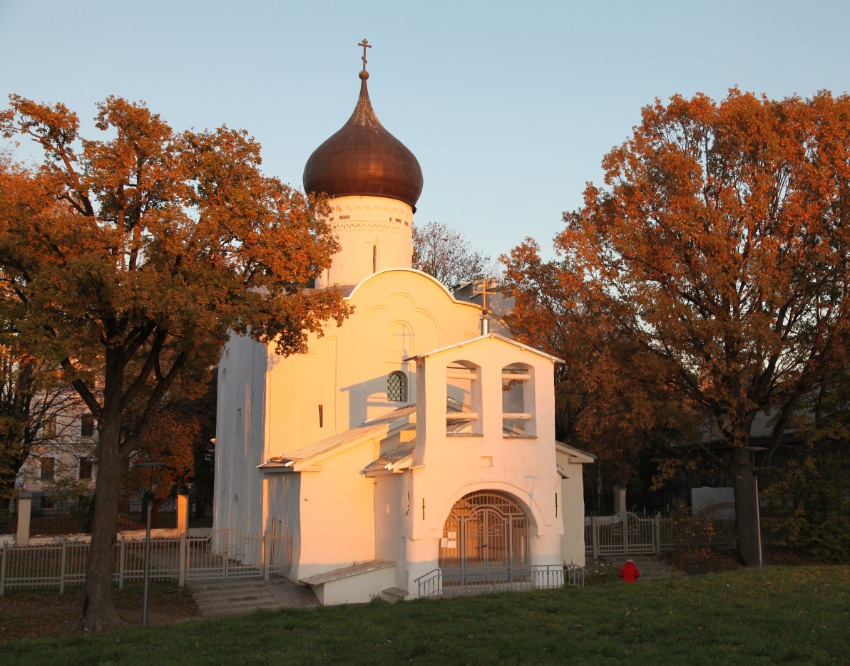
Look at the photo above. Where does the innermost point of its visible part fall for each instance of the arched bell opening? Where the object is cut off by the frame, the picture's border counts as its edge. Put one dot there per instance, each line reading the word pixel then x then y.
pixel 485 540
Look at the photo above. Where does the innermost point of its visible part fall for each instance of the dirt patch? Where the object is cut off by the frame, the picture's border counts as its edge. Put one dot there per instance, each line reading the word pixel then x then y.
pixel 39 613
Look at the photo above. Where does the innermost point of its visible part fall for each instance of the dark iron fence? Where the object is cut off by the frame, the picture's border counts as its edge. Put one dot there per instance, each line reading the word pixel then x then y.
pixel 54 517
pixel 131 514
pixel 637 501
pixel 200 511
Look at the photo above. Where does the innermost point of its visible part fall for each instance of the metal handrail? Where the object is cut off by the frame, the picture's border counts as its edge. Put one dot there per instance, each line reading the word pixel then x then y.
pixel 468 581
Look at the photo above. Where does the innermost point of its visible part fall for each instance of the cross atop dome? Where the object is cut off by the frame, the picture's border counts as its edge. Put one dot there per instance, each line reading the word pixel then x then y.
pixel 366 45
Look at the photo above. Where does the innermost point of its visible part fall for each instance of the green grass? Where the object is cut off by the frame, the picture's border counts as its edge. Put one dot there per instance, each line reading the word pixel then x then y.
pixel 779 615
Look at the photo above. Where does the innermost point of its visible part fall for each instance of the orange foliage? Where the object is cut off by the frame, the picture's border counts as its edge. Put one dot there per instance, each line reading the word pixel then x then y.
pixel 710 271
pixel 128 259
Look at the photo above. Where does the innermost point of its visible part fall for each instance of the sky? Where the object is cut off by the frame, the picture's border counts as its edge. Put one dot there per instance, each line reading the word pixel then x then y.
pixel 508 106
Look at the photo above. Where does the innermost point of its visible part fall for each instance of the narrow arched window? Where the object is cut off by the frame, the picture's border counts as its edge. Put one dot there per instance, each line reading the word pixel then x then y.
pixel 518 400
pixel 374 258
pixel 397 387
pixel 463 399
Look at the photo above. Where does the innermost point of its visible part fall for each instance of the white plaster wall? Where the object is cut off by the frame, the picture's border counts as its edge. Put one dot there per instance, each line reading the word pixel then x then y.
pixel 397 313
pixel 361 223
pixel 453 466
pixel 240 440
pixel 572 511
pixel 297 386
pixel 337 513
pixel 283 508
pixel 388 517
pixel 356 589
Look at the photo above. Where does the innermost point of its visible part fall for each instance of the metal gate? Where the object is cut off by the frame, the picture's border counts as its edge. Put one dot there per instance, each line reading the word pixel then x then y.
pixel 485 539
pixel 224 554
pixel 612 535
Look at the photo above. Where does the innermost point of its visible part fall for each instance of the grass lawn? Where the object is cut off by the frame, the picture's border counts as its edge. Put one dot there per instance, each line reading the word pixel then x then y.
pixel 778 615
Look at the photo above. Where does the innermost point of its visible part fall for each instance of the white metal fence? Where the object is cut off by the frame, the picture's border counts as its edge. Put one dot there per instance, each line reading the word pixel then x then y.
pixel 636 535
pixel 222 554
pixel 452 582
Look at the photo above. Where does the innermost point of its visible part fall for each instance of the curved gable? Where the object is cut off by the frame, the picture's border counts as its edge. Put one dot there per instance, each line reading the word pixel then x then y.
pixel 399 277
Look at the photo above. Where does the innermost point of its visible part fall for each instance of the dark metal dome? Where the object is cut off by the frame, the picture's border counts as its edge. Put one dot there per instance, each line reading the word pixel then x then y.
pixel 364 159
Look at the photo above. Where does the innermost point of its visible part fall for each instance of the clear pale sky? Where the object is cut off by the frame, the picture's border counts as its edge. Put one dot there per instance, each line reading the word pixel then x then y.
pixel 509 106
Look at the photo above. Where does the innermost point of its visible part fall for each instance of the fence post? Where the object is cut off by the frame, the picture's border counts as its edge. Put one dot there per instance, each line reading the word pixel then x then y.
pixel 3 561
pixel 225 553
pixel 122 551
pixel 288 552
pixel 62 564
pixel 656 533
pixel 594 537
pixel 625 534
pixel 182 512
pixel 267 554
pixel 181 575
pixel 24 513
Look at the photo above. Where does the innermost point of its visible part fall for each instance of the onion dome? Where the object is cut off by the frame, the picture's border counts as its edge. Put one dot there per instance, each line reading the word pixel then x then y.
pixel 364 159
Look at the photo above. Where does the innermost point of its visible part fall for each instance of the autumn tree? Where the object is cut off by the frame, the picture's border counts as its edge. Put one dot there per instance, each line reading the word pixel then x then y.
pixel 129 259
pixel 445 254
pixel 180 437
pixel 618 416
pixel 720 244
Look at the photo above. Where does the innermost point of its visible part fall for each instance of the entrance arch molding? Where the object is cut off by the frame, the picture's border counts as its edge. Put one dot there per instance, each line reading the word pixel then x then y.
pixel 515 492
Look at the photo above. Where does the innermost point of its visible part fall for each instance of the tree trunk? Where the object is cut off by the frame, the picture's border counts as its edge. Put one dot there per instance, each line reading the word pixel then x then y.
pixel 99 614
pixel 9 467
pixel 746 506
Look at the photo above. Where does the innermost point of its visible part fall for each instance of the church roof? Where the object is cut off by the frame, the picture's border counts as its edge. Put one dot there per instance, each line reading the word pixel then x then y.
pixel 368 428
pixel 347 572
pixel 495 336
pixel 404 450
pixel 364 159
pixel 386 460
pixel 579 454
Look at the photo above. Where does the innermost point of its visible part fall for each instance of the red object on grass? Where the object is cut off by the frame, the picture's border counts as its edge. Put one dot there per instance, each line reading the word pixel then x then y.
pixel 629 572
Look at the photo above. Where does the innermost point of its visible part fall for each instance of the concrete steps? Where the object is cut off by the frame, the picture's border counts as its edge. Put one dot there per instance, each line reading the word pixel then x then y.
pixel 393 594
pixel 650 567
pixel 236 596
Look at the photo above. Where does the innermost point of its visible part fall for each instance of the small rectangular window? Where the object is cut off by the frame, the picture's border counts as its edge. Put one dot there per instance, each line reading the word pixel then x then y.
pixel 48 468
pixel 321 417
pixel 86 425
pixel 49 426
pixel 86 469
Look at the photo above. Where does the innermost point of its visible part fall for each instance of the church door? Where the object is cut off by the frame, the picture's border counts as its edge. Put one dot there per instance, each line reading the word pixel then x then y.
pixel 485 540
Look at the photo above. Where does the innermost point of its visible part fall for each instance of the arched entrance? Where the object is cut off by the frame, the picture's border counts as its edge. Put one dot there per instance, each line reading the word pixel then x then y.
pixel 485 539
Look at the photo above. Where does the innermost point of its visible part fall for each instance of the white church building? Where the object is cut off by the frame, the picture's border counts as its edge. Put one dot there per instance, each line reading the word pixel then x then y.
pixel 409 449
